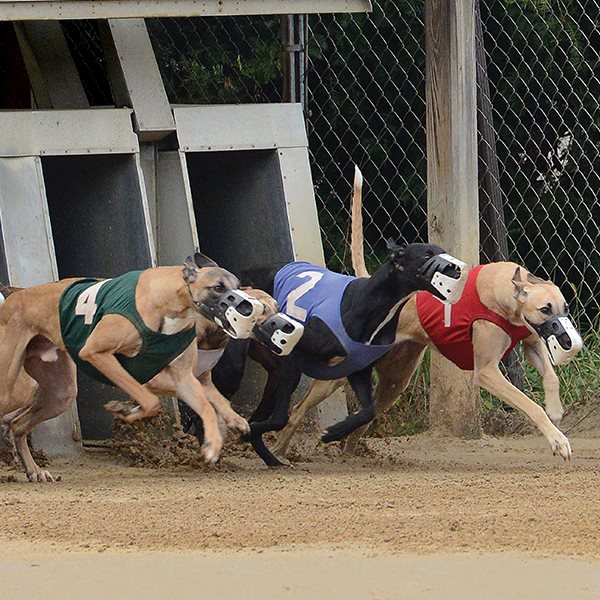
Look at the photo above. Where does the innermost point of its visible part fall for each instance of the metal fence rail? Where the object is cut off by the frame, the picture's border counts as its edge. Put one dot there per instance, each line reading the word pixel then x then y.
pixel 539 121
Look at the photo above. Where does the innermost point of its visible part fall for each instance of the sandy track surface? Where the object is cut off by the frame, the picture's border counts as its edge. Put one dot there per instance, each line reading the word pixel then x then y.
pixel 403 498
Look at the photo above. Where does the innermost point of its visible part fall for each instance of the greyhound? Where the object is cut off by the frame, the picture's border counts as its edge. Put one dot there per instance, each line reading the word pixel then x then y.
pixel 136 332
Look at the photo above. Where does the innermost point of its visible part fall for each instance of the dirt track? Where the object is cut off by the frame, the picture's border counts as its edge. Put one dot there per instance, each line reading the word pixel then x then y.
pixel 416 496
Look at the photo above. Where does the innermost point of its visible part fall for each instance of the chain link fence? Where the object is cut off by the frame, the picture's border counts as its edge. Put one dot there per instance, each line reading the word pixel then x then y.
pixel 539 120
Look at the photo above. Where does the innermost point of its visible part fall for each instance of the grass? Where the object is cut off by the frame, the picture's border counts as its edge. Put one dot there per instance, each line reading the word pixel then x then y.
pixel 579 384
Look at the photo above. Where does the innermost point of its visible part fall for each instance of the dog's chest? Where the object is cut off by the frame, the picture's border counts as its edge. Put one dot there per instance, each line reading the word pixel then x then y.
pixel 172 325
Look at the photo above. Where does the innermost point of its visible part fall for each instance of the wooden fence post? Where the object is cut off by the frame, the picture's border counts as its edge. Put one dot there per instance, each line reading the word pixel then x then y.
pixel 452 187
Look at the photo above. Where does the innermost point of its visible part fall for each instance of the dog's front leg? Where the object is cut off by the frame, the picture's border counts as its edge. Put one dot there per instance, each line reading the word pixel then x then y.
pixel 222 406
pixel 178 379
pixel 116 334
pixel 490 343
pixel 272 412
pixel 361 384
pixel 538 356
pixel 190 390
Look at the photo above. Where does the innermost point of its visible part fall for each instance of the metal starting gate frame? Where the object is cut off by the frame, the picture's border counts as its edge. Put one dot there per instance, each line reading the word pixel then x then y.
pixel 100 191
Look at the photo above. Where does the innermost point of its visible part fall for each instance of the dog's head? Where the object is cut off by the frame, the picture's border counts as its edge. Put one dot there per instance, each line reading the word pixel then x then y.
pixel 430 268
pixel 544 311
pixel 214 292
pixel 206 281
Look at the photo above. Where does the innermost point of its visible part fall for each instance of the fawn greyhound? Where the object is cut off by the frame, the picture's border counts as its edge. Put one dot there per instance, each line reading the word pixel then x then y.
pixel 136 332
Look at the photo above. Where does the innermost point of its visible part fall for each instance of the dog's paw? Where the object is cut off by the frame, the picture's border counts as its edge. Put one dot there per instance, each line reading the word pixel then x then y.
pixel 211 452
pixel 119 409
pixel 238 422
pixel 333 434
pixel 560 445
pixel 280 463
pixel 41 476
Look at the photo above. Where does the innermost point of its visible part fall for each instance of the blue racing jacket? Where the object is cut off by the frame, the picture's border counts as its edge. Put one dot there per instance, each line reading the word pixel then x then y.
pixel 303 290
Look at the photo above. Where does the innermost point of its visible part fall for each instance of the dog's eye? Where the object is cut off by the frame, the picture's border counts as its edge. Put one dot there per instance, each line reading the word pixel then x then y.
pixel 220 288
pixel 546 310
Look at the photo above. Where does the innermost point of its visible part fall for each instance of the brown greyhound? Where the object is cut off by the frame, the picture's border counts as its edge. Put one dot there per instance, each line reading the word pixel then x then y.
pixel 511 305
pixel 142 343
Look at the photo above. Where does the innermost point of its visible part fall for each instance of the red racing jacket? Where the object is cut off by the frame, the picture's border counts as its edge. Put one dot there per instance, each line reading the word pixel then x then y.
pixel 450 325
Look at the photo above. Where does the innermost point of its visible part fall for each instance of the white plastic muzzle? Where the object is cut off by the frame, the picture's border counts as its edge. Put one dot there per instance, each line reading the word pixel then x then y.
pixel 235 312
pixel 279 333
pixel 562 339
pixel 449 288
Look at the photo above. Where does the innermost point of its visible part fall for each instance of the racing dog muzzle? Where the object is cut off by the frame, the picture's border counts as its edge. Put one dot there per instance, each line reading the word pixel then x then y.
pixel 279 333
pixel 445 277
pixel 561 338
pixel 235 312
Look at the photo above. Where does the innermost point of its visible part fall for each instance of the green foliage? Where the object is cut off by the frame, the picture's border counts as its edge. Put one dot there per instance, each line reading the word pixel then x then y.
pixel 543 76
pixel 367 104
pixel 221 60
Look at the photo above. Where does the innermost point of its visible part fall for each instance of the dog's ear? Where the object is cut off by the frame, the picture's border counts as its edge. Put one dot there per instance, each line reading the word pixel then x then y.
pixel 194 262
pixel 393 246
pixel 533 279
pixel 396 253
pixel 518 283
pixel 201 260
pixel 190 269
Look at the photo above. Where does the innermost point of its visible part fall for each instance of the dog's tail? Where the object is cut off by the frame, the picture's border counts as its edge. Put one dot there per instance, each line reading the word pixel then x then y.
pixel 356 237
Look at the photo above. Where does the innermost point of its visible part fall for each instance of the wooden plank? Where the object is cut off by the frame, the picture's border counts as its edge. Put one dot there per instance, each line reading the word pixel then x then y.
pixel 176 231
pixel 59 132
pixel 240 127
pixel 452 199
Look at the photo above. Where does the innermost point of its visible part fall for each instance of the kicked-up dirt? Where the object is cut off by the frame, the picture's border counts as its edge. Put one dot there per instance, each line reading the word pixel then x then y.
pixel 403 519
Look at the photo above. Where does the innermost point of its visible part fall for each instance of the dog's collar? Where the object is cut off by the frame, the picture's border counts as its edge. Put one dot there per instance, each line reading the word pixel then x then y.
pixel 198 305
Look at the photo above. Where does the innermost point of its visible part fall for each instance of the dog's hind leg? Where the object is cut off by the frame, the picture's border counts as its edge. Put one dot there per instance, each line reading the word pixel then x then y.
pixel 318 391
pixel 394 374
pixel 7 434
pixel 15 337
pixel 57 390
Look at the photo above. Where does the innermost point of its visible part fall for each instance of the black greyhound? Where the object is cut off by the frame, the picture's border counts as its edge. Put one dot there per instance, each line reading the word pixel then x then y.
pixel 367 309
